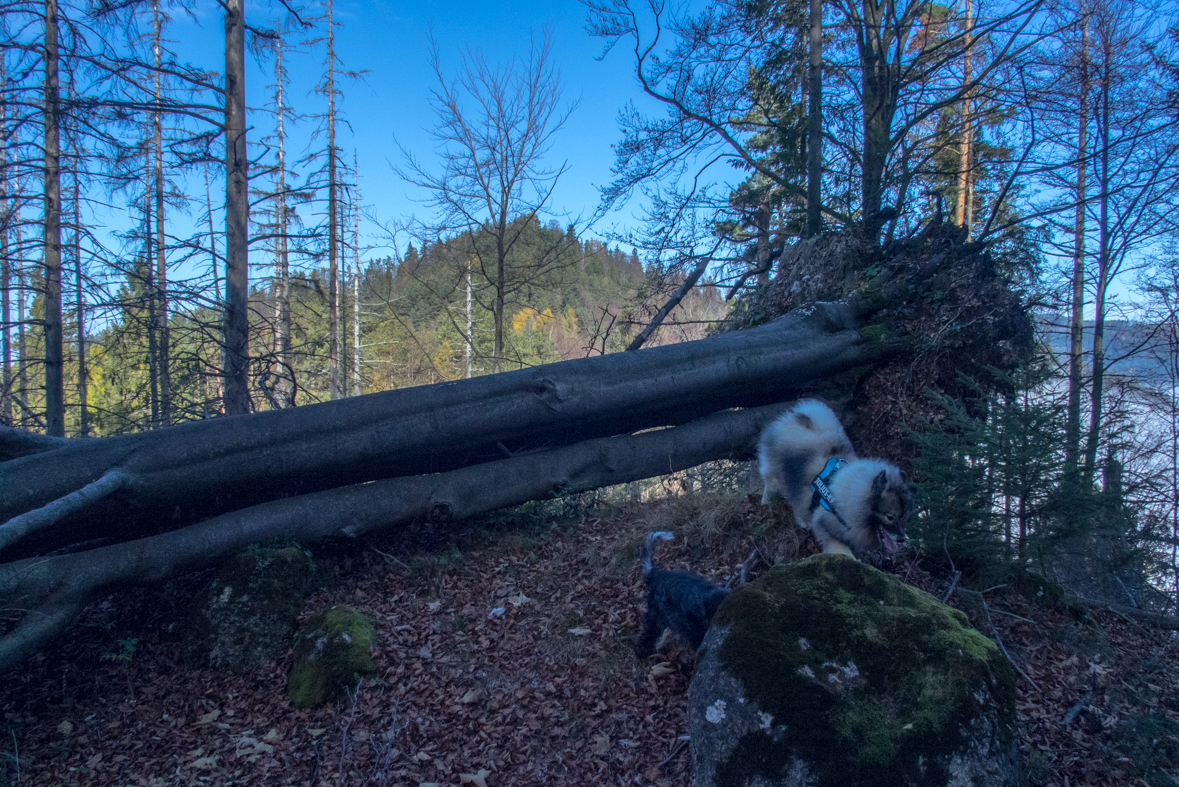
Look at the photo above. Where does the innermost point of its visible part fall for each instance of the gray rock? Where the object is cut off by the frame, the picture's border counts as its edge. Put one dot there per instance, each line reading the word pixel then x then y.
pixel 246 613
pixel 827 672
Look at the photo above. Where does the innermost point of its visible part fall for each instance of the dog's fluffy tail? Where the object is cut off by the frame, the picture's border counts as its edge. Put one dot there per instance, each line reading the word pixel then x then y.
pixel 646 555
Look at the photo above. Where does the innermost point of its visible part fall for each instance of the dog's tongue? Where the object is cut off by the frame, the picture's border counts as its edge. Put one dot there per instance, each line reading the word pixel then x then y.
pixel 890 543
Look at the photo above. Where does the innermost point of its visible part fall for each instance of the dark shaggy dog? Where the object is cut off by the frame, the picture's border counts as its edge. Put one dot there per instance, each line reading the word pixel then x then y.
pixel 678 600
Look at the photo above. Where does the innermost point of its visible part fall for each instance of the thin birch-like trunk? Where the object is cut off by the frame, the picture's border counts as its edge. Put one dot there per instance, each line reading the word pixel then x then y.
pixel 333 219
pixel 160 293
pixel 6 414
pixel 282 339
pixel 80 311
pixel 1072 447
pixel 356 278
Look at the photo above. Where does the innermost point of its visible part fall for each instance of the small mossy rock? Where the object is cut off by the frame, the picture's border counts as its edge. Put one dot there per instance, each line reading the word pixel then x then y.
pixel 827 672
pixel 245 615
pixel 333 651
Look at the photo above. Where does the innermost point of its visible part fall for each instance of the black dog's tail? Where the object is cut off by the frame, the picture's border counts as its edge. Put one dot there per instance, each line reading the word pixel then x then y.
pixel 646 555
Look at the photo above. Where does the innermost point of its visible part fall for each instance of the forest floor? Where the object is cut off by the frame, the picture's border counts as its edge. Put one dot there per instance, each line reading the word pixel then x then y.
pixel 548 692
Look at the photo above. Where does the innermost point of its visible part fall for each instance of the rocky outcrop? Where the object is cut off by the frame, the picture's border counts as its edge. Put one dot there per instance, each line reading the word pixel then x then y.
pixel 333 653
pixel 827 672
pixel 246 613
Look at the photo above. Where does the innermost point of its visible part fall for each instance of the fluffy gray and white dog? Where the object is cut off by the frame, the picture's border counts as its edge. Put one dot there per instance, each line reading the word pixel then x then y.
pixel 678 600
pixel 854 506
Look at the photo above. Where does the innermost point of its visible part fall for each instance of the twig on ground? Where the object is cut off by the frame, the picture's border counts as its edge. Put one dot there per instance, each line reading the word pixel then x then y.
pixel 1082 705
pixel 1013 615
pixel 679 747
pixel 353 697
pixel 999 640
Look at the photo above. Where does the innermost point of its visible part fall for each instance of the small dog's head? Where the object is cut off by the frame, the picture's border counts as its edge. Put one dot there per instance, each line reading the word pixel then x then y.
pixel 892 504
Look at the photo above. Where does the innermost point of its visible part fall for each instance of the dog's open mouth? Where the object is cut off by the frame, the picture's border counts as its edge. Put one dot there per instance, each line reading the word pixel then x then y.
pixel 890 542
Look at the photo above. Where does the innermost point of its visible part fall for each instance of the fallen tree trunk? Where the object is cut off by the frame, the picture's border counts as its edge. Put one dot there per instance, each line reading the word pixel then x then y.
pixel 54 589
pixel 180 475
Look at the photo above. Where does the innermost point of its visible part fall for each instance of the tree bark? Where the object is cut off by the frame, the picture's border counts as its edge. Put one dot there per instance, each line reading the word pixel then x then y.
pixel 356 278
pixel 204 468
pixel 282 329
pixel 814 150
pixel 1072 447
pixel 80 311
pixel 1103 274
pixel 6 413
pixel 961 203
pixel 333 217
pixel 160 293
pixel 235 350
pixel 54 353
pixel 54 589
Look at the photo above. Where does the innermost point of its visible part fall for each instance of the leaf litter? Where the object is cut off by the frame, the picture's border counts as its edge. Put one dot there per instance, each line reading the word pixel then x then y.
pixel 545 691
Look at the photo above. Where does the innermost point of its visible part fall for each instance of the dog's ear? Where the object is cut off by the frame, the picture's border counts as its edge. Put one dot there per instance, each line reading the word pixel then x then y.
pixel 879 483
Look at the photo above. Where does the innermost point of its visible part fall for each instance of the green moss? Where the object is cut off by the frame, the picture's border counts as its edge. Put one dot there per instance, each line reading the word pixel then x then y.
pixel 873 333
pixel 908 698
pixel 333 652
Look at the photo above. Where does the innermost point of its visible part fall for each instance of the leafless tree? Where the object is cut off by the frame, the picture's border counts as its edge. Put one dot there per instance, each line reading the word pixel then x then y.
pixel 494 126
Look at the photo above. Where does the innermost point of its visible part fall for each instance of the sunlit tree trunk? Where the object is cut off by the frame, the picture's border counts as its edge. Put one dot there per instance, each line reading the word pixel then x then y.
pixel 54 381
pixel 282 337
pixel 6 414
pixel 80 310
pixel 962 207
pixel 236 351
pixel 333 216
pixel 160 294
pixel 149 289
pixel 356 279
pixel 1077 315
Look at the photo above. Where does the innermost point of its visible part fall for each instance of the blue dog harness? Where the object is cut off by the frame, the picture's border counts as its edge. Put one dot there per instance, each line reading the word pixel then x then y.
pixel 822 492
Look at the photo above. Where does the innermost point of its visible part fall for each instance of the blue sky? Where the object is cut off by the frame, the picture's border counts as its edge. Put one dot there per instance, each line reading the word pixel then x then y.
pixel 389 40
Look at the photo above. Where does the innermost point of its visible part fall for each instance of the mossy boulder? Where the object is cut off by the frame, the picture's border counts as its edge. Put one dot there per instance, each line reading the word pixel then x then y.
pixel 245 614
pixel 333 652
pixel 829 672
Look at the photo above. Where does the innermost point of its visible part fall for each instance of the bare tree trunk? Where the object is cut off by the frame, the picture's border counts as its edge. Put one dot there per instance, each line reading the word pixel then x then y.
pixel 961 205
pixel 356 278
pixel 80 310
pixel 236 351
pixel 470 336
pixel 814 150
pixel 500 286
pixel 1103 272
pixel 333 216
pixel 6 414
pixel 22 367
pixel 149 287
pixel 1072 448
pixel 160 294
pixel 282 339
pixel 54 379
